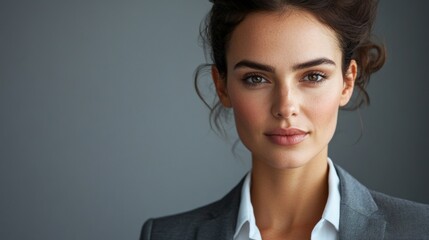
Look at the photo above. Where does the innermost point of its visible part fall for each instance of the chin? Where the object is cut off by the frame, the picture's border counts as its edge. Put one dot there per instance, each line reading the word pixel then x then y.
pixel 283 161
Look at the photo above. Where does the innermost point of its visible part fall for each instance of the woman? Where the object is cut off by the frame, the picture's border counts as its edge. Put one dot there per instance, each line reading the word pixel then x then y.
pixel 285 68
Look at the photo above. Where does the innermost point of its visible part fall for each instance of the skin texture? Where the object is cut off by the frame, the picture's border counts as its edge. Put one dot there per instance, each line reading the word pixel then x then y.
pixel 284 72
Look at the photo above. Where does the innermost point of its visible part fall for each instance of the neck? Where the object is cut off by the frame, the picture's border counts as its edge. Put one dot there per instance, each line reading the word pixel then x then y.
pixel 288 199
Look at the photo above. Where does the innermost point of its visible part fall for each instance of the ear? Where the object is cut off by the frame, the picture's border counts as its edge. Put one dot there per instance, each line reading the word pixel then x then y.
pixel 221 88
pixel 349 83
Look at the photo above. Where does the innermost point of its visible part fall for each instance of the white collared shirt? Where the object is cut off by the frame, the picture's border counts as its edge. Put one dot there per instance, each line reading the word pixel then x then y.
pixel 327 227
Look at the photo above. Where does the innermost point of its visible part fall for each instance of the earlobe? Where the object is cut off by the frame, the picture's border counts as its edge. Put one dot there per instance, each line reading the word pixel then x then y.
pixel 349 82
pixel 221 89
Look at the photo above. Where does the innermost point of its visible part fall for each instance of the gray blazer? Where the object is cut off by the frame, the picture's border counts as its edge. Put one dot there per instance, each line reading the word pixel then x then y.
pixel 364 214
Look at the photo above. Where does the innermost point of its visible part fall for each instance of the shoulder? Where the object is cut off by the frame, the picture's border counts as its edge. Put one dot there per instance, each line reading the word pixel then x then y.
pixel 178 225
pixel 402 216
pixel 185 225
pixel 399 218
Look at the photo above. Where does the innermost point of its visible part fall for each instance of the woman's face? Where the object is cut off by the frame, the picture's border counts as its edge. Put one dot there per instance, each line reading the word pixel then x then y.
pixel 285 85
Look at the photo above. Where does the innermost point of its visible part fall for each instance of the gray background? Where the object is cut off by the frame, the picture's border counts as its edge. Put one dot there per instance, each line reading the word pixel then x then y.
pixel 100 127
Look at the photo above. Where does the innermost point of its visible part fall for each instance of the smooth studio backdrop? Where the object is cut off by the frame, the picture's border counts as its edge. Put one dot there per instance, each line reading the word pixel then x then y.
pixel 100 127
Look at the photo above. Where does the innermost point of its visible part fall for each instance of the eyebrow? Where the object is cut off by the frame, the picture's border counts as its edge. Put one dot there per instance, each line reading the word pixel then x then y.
pixel 271 69
pixel 254 65
pixel 313 63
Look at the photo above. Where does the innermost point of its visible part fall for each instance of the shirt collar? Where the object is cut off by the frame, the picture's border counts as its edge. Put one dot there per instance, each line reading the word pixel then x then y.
pixel 332 207
pixel 246 218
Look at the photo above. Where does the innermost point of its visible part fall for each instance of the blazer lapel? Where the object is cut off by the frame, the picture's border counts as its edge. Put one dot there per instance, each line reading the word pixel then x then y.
pixel 221 223
pixel 359 216
pixel 354 225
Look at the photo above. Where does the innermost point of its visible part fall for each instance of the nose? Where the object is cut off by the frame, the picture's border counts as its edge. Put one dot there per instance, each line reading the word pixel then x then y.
pixel 284 104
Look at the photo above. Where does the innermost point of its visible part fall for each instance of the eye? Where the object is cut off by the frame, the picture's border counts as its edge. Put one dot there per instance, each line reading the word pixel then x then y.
pixel 254 80
pixel 315 77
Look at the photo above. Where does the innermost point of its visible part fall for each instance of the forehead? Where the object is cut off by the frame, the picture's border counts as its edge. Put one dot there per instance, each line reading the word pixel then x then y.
pixel 289 36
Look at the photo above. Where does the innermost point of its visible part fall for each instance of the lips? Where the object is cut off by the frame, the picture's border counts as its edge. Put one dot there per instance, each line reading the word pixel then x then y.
pixel 286 136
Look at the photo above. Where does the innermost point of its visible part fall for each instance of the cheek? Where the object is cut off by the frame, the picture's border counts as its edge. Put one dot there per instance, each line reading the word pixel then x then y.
pixel 247 112
pixel 324 111
pixel 250 111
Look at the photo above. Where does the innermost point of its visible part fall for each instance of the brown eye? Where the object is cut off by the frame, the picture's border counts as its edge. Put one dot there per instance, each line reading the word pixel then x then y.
pixel 254 80
pixel 314 77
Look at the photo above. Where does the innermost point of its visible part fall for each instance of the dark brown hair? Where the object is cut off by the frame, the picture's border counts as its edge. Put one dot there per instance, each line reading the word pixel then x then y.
pixel 352 20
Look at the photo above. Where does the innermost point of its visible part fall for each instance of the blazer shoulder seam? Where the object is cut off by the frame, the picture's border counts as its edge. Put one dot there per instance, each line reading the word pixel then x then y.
pixel 147 230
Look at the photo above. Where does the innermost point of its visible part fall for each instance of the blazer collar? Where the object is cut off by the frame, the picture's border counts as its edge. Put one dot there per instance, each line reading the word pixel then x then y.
pixel 359 216
pixel 223 218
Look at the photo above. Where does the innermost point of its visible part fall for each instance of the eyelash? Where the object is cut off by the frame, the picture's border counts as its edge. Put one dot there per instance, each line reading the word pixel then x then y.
pixel 247 79
pixel 320 75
